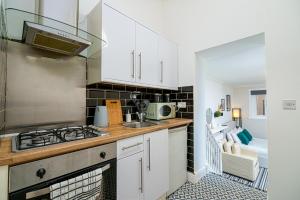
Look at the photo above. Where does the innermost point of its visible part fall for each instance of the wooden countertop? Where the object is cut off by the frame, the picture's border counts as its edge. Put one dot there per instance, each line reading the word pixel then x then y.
pixel 116 133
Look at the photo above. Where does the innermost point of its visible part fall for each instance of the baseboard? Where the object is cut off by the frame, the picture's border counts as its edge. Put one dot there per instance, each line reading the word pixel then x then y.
pixel 196 176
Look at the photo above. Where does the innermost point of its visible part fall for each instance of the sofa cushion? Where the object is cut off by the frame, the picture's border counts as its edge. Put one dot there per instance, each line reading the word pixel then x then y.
pixel 227 147
pixel 236 149
pixel 248 135
pixel 243 138
pixel 229 136
pixel 221 144
pixel 235 137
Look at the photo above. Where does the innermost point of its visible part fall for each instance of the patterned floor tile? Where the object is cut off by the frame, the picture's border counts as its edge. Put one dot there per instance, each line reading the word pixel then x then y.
pixel 215 187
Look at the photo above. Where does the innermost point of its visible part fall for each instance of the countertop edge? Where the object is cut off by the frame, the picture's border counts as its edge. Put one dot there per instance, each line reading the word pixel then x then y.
pixel 12 159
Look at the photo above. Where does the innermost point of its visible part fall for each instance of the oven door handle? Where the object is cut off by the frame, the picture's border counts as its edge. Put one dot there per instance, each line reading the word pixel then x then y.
pixel 44 191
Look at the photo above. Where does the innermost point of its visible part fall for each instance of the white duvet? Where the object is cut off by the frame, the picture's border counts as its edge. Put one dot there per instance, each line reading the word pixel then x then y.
pixel 261 147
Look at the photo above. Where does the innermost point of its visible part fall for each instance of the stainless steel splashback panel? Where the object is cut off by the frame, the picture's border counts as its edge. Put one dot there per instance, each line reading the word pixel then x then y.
pixel 3 51
pixel 44 88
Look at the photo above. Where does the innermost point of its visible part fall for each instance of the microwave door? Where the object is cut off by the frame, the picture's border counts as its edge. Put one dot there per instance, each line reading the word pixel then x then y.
pixel 165 111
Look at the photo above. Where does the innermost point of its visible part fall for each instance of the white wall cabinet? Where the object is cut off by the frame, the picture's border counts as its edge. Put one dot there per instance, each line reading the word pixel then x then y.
pixel 132 54
pixel 168 57
pixel 118 56
pixel 156 167
pixel 147 58
pixel 143 166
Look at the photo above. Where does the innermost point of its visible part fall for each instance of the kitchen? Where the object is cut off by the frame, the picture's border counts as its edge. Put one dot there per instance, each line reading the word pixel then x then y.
pixel 89 112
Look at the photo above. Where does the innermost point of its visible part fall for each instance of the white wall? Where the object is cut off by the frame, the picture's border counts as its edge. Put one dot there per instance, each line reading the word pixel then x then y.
pixel 283 61
pixel 200 24
pixel 147 12
pixel 208 93
pixel 257 127
pixel 214 92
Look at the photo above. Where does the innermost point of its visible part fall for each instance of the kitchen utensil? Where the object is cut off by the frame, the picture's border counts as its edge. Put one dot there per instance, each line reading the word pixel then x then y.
pixel 114 112
pixel 157 98
pixel 167 98
pixel 100 118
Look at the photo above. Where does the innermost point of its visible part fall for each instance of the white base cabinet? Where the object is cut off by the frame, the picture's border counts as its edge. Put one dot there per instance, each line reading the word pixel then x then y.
pixel 4 182
pixel 143 166
pixel 156 167
pixel 177 158
pixel 130 177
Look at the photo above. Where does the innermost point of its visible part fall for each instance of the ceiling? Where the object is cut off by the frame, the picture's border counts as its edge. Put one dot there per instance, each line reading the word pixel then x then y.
pixel 239 63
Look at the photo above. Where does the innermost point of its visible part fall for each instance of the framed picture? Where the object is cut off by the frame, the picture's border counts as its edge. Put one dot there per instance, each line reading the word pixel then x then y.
pixel 228 102
pixel 222 107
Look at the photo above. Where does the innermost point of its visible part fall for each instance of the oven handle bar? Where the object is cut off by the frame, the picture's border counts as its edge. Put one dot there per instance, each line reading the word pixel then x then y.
pixel 44 191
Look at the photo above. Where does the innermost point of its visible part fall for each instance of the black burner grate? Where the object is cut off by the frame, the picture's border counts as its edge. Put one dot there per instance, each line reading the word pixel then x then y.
pixel 28 140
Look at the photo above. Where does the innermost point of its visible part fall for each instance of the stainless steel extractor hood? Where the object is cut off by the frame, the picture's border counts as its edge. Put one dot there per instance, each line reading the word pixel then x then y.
pixel 50 34
pixel 52 39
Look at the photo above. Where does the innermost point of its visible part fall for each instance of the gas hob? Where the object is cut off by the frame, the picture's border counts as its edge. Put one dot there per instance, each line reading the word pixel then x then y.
pixel 41 138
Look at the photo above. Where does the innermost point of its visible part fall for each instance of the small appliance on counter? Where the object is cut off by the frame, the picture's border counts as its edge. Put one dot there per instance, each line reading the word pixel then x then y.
pixel 157 98
pixel 159 111
pixel 100 118
pixel 167 98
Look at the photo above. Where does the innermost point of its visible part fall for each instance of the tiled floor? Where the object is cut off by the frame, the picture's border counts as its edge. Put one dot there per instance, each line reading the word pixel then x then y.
pixel 213 187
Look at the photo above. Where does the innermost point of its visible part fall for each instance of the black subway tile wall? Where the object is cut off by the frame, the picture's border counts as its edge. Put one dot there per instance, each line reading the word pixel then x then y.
pixel 185 94
pixel 97 93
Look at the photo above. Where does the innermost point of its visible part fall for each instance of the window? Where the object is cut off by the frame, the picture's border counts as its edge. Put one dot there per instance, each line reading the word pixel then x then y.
pixel 257 104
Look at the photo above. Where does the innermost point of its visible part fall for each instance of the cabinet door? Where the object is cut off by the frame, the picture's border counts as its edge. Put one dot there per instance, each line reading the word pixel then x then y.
pixel 156 164
pixel 168 56
pixel 130 177
pixel 118 56
pixel 147 62
pixel 177 158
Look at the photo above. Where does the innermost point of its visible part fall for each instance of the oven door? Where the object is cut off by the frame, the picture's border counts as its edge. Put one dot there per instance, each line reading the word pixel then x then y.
pixel 41 191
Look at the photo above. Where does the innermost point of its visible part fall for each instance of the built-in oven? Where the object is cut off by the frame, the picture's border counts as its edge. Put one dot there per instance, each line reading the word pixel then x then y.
pixel 35 180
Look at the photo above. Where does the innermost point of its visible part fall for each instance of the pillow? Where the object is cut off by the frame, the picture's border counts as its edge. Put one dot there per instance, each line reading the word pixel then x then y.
pixel 236 149
pixel 243 138
pixel 235 137
pixel 248 135
pixel 229 136
pixel 227 147
pixel 221 144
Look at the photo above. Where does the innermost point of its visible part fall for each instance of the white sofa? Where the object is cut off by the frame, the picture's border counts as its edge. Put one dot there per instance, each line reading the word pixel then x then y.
pixel 260 146
pixel 244 165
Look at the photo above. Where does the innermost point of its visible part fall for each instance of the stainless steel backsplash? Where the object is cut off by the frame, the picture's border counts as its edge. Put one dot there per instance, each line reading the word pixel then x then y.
pixel 43 88
pixel 3 49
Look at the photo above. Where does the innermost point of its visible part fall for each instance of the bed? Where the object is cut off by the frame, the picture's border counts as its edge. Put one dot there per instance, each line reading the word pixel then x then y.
pixel 261 147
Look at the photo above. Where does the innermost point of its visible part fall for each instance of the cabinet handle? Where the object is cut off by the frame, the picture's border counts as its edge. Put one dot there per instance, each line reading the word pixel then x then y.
pixel 149 154
pixel 140 75
pixel 141 165
pixel 134 145
pixel 161 71
pixel 133 64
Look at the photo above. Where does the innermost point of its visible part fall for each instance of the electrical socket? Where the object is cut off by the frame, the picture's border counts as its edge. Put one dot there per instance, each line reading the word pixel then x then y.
pixel 289 104
pixel 181 104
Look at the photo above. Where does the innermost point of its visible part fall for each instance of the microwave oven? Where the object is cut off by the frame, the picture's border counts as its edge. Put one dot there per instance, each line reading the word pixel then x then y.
pixel 158 111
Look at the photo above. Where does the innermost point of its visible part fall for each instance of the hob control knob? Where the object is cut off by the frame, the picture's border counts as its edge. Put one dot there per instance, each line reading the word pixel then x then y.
pixel 103 155
pixel 40 173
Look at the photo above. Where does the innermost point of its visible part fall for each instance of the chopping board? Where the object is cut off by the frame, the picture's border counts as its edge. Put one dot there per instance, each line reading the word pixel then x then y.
pixel 114 112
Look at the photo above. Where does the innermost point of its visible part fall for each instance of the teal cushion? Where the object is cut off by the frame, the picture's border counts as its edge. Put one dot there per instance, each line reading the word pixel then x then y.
pixel 243 138
pixel 248 135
